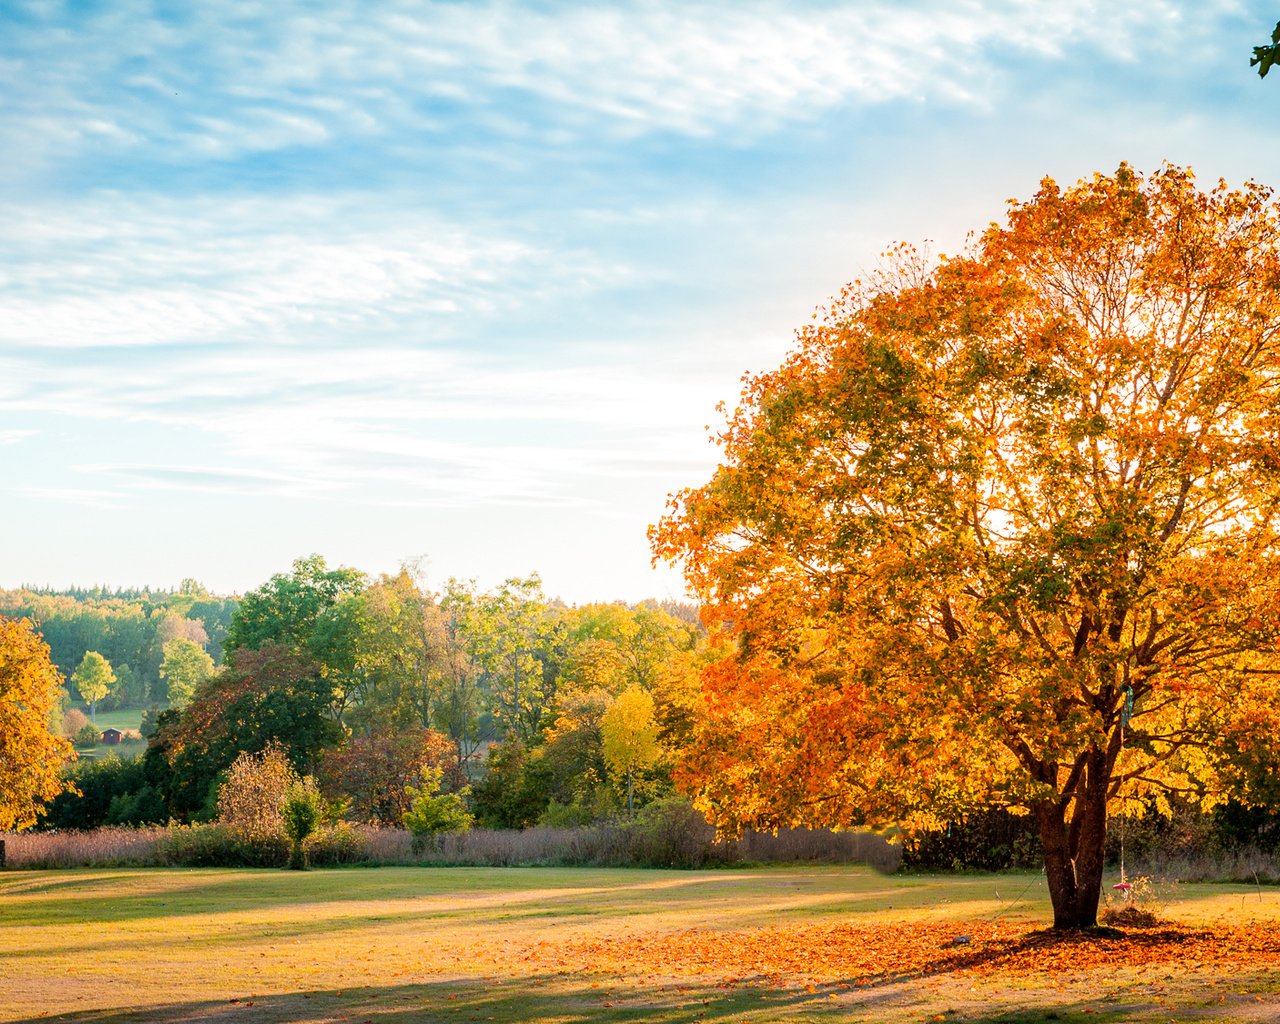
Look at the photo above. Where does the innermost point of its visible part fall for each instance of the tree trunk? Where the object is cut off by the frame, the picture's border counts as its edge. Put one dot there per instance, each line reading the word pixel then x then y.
pixel 1075 851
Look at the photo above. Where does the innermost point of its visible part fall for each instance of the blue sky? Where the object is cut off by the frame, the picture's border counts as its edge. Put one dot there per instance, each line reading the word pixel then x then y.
pixel 465 281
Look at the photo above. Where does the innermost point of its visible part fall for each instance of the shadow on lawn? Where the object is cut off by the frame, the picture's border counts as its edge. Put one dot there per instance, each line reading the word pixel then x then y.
pixel 554 998
pixel 998 952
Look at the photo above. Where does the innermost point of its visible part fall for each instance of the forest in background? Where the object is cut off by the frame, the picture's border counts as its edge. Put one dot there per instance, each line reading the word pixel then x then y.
pixel 129 627
pixel 539 712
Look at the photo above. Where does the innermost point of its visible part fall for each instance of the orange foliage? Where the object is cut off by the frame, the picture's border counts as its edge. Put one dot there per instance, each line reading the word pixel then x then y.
pixel 30 755
pixel 990 503
pixel 876 954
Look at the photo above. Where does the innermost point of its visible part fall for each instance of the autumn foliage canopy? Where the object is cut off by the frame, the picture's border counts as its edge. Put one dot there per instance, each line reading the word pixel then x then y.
pixel 30 756
pixel 1002 530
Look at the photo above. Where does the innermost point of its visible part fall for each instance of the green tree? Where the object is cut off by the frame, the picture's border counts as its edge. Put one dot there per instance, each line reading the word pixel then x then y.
pixel 284 610
pixel 460 709
pixel 515 790
pixel 301 812
pixel 505 631
pixel 384 650
pixel 434 814
pixel 94 680
pixel 184 668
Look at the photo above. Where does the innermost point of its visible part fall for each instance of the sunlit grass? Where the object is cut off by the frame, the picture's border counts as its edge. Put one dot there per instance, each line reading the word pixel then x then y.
pixel 401 944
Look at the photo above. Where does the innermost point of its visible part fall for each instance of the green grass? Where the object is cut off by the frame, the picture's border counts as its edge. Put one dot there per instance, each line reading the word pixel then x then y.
pixel 400 945
pixel 121 718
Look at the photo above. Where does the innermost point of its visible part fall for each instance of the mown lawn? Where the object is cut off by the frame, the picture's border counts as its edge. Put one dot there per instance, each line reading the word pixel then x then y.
pixel 123 719
pixel 400 945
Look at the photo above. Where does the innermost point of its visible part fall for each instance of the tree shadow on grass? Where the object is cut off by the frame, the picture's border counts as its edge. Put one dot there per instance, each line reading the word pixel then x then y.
pixel 572 999
pixel 535 998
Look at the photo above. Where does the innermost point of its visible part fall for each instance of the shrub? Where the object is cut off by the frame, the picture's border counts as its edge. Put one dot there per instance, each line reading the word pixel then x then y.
pixel 301 812
pixel 87 735
pixel 516 787
pixel 143 807
pixel 251 800
pixel 73 722
pixel 792 845
pixel 558 815
pixel 217 846
pixel 433 814
pixel 992 840
pixel 342 843
pixel 102 794
pixel 670 833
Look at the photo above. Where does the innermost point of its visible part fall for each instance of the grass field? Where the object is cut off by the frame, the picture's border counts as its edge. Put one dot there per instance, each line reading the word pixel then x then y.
pixel 126 720
pixel 393 946
pixel 122 718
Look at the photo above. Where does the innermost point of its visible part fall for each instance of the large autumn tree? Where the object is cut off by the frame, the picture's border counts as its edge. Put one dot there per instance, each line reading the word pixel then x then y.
pixel 31 757
pixel 1002 530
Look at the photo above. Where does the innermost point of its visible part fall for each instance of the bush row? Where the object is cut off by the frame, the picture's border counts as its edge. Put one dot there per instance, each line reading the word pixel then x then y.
pixel 666 833
pixel 1229 842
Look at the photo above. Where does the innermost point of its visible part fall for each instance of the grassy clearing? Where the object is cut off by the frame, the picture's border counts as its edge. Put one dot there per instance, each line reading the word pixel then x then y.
pixel 395 945
pixel 124 719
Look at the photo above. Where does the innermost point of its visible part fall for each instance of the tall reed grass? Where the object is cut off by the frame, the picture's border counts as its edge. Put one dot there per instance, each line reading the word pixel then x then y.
pixel 107 847
pixel 603 845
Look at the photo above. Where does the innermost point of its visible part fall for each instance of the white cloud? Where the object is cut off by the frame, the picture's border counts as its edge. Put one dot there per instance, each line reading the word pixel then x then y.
pixel 238 78
pixel 119 271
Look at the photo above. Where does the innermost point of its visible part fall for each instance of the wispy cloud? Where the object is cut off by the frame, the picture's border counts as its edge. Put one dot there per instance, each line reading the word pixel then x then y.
pixel 240 77
pixel 494 261
pixel 120 271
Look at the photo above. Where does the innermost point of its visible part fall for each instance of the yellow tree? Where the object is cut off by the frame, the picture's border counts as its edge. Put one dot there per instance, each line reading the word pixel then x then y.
pixel 629 735
pixel 94 679
pixel 1002 530
pixel 30 756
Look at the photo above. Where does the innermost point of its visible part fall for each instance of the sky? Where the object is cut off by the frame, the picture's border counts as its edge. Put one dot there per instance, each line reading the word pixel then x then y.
pixel 462 283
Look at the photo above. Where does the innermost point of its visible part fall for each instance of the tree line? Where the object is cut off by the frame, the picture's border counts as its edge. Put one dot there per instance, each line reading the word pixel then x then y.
pixel 129 630
pixel 538 710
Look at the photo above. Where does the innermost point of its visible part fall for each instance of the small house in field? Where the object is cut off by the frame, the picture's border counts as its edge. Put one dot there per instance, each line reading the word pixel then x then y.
pixel 111 736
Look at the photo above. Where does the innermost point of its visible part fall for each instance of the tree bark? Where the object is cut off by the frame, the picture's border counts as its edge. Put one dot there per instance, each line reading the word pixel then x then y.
pixel 1075 851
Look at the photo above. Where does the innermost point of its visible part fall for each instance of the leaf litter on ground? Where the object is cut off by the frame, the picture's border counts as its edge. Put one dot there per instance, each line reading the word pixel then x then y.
pixel 858 955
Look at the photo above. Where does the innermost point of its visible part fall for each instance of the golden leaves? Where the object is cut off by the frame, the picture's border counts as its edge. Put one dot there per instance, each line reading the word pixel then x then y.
pixel 990 498
pixel 30 756
pixel 864 955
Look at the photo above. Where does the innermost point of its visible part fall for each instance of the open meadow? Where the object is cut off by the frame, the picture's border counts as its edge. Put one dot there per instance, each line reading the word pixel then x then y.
pixel 392 945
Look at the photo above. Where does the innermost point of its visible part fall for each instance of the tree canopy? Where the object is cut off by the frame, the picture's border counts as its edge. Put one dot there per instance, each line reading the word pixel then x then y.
pixel 185 667
pixel 1002 530
pixel 94 679
pixel 283 611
